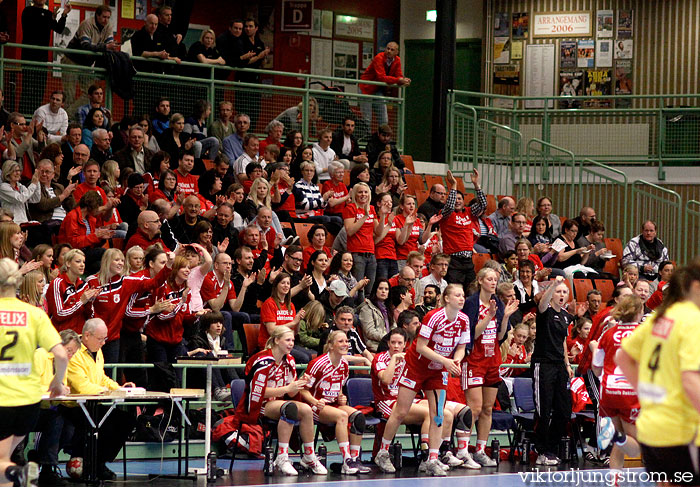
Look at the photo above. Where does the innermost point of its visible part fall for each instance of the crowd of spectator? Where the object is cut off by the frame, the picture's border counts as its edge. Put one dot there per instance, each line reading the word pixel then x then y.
pixel 92 209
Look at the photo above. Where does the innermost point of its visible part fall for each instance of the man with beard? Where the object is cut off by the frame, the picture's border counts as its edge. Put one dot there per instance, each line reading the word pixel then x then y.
pixel 148 232
pixel 431 294
pixel 438 269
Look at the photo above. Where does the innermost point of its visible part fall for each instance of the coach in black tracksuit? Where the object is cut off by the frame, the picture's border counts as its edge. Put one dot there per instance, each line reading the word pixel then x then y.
pixel 552 372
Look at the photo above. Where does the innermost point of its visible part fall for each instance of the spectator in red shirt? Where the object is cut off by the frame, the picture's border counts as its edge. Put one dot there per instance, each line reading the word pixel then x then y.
pixel 278 310
pixel 92 174
pixel 336 203
pixel 186 182
pixel 362 226
pixel 83 229
pixel 317 237
pixel 148 232
pixel 385 67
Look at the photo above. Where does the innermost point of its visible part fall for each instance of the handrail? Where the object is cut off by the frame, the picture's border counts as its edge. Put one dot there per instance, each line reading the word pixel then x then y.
pixel 690 254
pixel 305 76
pixel 582 97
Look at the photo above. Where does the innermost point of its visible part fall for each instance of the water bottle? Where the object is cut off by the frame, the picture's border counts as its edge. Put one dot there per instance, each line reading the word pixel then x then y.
pixel 398 456
pixel 269 467
pixel 527 448
pixel 496 451
pixel 323 454
pixel 564 449
pixel 211 467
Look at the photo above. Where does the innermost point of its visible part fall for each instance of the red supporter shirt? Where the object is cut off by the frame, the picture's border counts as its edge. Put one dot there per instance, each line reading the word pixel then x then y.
pixel 486 352
pixel 456 232
pixel 443 338
pixel 272 313
pixel 339 190
pixel 326 380
pixel 187 184
pixel 386 247
pixel 363 240
pixel 168 326
pixel 577 343
pixel 411 244
pixel 432 243
pixel 83 188
pixel 536 261
pixel 381 391
pixel 289 204
pixel 137 310
pixel 616 391
pixel 595 333
pixel 309 251
pixel 211 288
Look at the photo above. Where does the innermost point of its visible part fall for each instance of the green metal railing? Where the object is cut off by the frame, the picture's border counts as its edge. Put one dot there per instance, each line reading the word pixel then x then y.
pixel 605 189
pixel 549 171
pixel 641 129
pixel 691 226
pixel 27 84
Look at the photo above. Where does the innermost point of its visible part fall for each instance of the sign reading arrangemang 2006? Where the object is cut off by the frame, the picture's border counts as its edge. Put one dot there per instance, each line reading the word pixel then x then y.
pixel 562 24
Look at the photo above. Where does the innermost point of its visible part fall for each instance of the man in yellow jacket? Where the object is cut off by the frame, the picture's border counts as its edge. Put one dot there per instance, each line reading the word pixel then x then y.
pixel 86 375
pixel 52 420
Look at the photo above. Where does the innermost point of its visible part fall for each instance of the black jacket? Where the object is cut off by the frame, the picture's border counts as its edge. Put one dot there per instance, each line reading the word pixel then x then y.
pixel 337 145
pixel 376 147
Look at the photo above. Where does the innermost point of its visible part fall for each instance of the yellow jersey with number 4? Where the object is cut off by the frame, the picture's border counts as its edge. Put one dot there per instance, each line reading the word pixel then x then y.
pixel 23 328
pixel 664 348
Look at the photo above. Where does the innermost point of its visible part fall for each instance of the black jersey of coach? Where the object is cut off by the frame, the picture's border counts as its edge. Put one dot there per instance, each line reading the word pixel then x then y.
pixel 552 328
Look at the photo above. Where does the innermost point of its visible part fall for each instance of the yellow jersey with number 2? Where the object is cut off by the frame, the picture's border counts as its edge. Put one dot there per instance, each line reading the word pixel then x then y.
pixel 664 348
pixel 23 328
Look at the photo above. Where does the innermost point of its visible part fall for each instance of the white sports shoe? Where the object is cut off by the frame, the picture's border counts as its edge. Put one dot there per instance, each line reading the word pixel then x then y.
pixel 483 459
pixel 451 460
pixel 311 462
pixel 349 467
pixel 468 461
pixel 423 467
pixel 383 461
pixel 284 466
pixel 435 468
pixel 606 430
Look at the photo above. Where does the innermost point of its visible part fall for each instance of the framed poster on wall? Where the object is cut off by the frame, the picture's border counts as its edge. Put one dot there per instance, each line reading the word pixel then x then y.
pixel 562 24
pixel 354 27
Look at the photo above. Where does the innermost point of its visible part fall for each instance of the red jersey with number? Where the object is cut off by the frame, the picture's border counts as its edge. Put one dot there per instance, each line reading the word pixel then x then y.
pixel 443 336
pixel 486 352
pixel 326 380
pixel 411 244
pixel 382 391
pixel 211 288
pixel 271 312
pixel 616 391
pixel 363 239
pixel 386 247
pixel 339 190
pixel 456 229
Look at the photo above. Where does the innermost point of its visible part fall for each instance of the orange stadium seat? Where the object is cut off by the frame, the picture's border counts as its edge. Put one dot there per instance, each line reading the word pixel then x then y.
pixel 479 260
pixel 422 195
pixel 491 204
pixel 582 286
pixel 414 182
pixel 302 229
pixel 251 336
pixel 408 162
pixel 431 180
pixel 460 184
pixel 606 288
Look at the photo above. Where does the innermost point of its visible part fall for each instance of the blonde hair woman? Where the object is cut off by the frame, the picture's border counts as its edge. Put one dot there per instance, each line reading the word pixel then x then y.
pixel 275 366
pixel 326 376
pixel 312 326
pixel 32 289
pixel 114 292
pixel 362 227
pixel 134 260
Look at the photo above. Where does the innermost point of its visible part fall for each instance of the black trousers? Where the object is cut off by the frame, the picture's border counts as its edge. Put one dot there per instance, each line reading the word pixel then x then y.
pixel 553 405
pixel 113 432
pixel 131 351
pixel 461 271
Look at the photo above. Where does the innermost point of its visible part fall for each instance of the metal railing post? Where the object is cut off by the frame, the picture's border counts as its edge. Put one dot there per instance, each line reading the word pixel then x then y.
pixel 2 67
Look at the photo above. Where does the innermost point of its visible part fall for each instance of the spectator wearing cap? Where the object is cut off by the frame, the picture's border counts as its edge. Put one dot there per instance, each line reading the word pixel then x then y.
pixel 333 297
pixel 134 201
pixel 382 141
pixel 148 232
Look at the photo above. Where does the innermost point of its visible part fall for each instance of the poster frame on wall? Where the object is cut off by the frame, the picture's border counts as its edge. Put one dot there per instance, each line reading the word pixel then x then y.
pixel 560 23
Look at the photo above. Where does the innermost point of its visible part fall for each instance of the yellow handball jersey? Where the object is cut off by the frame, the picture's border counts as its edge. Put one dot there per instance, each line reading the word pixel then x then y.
pixel 664 348
pixel 23 328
